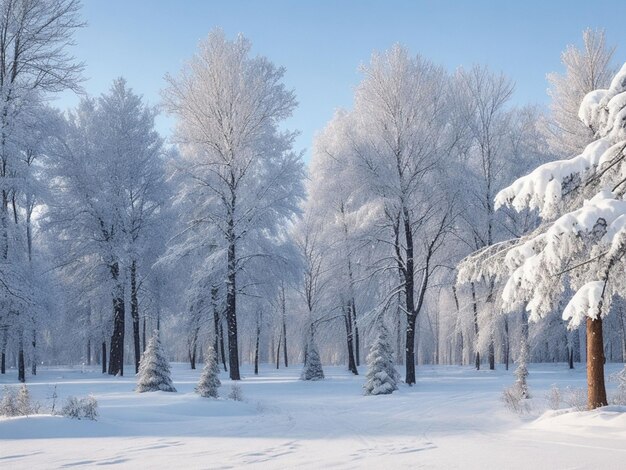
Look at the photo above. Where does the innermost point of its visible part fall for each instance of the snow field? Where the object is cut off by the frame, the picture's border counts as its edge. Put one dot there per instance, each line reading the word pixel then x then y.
pixel 452 418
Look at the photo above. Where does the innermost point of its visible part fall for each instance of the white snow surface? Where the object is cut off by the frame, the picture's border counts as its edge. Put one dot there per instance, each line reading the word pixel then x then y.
pixel 452 418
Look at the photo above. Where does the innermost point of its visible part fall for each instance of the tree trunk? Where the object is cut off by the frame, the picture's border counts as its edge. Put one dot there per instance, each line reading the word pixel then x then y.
pixel 507 344
pixel 492 355
pixel 256 350
pixel 410 349
pixel 21 366
pixel 144 334
pixel 116 360
pixel 3 353
pixel 475 308
pixel 284 336
pixel 219 331
pixel 134 313
pixel 222 349
pixel 570 357
pixel 596 390
pixel 623 330
pixel 35 359
pixel 348 322
pixel 278 355
pixel 458 328
pixel 409 292
pixel 88 351
pixel 193 348
pixel 231 299
pixel 104 357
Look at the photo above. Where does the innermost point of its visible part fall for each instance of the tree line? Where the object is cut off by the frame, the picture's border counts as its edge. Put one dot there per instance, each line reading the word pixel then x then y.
pixel 224 236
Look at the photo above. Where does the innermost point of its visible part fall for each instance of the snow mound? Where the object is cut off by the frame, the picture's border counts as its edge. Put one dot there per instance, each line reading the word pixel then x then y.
pixel 608 420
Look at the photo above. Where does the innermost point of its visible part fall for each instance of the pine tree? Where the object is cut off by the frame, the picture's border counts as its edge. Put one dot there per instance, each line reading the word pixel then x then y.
pixel 382 376
pixel 154 369
pixel 312 362
pixel 209 379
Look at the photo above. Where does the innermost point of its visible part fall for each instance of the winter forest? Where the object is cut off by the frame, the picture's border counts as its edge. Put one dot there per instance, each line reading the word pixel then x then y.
pixel 445 261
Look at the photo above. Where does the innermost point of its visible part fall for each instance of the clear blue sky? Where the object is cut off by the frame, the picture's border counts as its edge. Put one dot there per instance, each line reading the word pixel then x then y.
pixel 322 43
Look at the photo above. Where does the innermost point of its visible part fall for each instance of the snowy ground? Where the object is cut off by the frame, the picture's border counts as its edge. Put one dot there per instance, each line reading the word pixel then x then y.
pixel 452 418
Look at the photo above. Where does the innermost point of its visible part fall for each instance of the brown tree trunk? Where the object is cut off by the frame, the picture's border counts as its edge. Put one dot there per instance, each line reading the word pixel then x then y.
pixel 596 390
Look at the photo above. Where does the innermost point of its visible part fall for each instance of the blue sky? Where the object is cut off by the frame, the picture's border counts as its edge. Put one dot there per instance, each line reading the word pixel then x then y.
pixel 321 43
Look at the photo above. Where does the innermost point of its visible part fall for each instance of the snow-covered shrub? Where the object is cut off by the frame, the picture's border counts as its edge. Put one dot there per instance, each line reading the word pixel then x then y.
pixel 154 369
pixel 53 398
pixel 235 393
pixel 382 377
pixel 81 408
pixel 312 363
pixel 209 379
pixel 25 405
pixel 17 404
pixel 577 398
pixel 553 397
pixel 8 404
pixel 620 397
pixel 514 400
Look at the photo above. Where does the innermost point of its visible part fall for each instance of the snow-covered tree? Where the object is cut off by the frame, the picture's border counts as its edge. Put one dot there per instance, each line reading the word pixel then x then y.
pixel 108 191
pixel 382 377
pixel 35 62
pixel 243 180
pixel 154 369
pixel 399 140
pixel 209 379
pixel 312 369
pixel 582 241
pixel 586 69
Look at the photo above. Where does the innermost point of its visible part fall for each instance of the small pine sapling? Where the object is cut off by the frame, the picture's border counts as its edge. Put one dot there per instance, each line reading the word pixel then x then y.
pixel 312 363
pixel 209 379
pixel 154 369
pixel 382 377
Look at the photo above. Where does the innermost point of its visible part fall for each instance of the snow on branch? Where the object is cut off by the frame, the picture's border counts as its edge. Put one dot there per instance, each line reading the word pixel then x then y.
pixel 587 302
pixel 604 111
